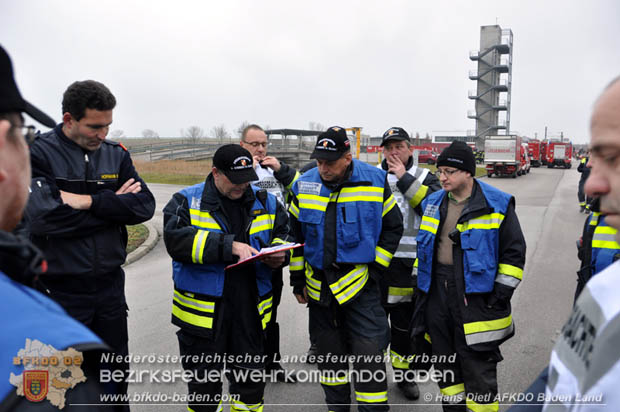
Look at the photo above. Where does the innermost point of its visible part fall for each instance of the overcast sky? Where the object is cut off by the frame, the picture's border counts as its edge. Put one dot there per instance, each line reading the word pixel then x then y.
pixel 282 64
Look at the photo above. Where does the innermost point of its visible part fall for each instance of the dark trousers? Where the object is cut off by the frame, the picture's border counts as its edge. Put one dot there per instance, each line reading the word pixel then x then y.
pixel 239 337
pixel 272 343
pixel 360 329
pixel 99 303
pixel 400 344
pixel 472 378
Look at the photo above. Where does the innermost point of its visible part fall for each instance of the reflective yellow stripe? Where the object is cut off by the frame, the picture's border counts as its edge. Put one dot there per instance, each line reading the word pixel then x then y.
pixel 315 202
pixel 290 185
pixel 398 361
pixel 605 238
pixel 453 390
pixel 361 194
pixel 429 224
pixel 371 397
pixel 278 241
pixel 236 406
pixel 297 263
pixel 349 285
pixel 333 379
pixel 203 220
pixel 594 218
pixel 262 222
pixel 481 407
pixel 294 210
pixel 487 325
pixel 511 270
pixel 427 337
pixel 265 304
pixel 389 203
pixel 201 305
pixel 198 247
pixel 192 319
pixel 419 196
pixel 489 221
pixel 382 256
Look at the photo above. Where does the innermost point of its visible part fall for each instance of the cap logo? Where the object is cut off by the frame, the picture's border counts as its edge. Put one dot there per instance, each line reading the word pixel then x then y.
pixel 452 159
pixel 242 162
pixel 336 129
pixel 390 132
pixel 326 144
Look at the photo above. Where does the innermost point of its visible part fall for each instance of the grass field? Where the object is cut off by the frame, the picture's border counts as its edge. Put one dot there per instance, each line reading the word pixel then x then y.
pixel 179 172
pixel 137 236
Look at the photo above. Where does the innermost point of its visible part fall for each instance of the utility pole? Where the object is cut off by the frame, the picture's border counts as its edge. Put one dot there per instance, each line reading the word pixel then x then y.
pixel 545 132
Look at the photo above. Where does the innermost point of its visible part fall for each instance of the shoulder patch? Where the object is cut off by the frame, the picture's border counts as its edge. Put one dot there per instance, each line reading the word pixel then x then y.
pixel 309 188
pixel 431 210
pixel 195 203
pixel 123 146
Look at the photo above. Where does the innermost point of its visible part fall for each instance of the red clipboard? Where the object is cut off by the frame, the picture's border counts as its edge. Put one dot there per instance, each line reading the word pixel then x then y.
pixel 266 252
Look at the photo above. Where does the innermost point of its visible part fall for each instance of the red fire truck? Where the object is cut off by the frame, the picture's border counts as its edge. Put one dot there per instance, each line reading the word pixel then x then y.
pixel 559 153
pixel 533 147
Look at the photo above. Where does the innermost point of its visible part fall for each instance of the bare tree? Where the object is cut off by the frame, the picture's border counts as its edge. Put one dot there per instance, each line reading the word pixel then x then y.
pixel 220 133
pixel 193 133
pixel 150 134
pixel 241 127
pixel 316 126
pixel 117 134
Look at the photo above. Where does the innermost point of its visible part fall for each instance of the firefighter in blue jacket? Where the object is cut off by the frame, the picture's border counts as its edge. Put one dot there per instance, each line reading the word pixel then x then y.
pixel 27 314
pixel 224 312
pixel 471 254
pixel 345 213
pixel 597 247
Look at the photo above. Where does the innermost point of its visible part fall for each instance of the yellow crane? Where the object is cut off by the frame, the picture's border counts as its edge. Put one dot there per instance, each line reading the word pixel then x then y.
pixel 357 132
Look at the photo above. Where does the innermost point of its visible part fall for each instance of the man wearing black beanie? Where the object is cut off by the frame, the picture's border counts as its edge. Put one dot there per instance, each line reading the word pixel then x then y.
pixel 471 254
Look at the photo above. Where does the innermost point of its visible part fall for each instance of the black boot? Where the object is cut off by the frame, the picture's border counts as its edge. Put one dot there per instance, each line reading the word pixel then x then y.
pixel 409 389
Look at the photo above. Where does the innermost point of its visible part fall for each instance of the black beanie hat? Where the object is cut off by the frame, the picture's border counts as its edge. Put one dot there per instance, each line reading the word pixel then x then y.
pixel 458 155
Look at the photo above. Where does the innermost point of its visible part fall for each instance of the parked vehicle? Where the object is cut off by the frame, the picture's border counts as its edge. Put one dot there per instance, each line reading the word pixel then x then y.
pixel 534 147
pixel 559 153
pixel 503 156
pixel 525 159
pixel 427 156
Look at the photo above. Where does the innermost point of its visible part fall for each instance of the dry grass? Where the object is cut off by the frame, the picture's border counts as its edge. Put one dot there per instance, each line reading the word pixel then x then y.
pixel 180 172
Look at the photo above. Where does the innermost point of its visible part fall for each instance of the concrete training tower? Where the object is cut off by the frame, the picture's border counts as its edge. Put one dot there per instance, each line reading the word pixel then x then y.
pixel 493 82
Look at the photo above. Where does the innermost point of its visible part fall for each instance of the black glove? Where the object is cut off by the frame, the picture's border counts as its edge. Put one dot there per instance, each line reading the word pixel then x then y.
pixel 501 295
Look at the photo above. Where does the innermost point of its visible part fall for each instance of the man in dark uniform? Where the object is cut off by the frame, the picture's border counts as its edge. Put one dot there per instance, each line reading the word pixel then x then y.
pixel 224 311
pixel 410 185
pixel 84 191
pixel 345 213
pixel 584 169
pixel 471 254
pixel 27 314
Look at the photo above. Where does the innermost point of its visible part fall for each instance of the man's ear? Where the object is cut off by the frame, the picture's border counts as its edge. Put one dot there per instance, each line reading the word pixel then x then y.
pixel 5 126
pixel 67 119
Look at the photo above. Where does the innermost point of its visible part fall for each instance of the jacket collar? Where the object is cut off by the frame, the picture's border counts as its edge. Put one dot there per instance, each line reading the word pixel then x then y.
pixel 477 204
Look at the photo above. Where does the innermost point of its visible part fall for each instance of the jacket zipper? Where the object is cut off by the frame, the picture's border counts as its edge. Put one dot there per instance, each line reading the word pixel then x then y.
pixel 95 254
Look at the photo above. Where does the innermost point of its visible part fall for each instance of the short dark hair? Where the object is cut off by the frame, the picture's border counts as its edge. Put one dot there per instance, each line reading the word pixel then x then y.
pixel 87 94
pixel 250 127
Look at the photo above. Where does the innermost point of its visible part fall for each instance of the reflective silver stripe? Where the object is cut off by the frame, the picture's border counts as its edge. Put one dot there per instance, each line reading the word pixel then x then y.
pixel 196 216
pixel 407 248
pixel 510 281
pixel 392 299
pixel 483 337
pixel 358 285
pixel 371 397
pixel 312 201
pixel 429 223
pixel 343 282
pixel 366 193
pixel 296 264
pixel 497 221
pixel 413 189
pixel 199 244
pixel 603 237
pixel 406 255
pixel 313 282
pixel 209 306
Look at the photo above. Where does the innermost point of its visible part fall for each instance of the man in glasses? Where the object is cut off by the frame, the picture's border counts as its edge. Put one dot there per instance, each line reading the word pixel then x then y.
pixel 276 178
pixel 471 254
pixel 410 184
pixel 28 315
pixel 85 190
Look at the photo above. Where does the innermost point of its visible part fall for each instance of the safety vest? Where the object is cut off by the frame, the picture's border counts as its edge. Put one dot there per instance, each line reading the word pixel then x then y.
pixel 27 314
pixel 359 211
pixel 266 180
pixel 479 242
pixel 584 369
pixel 198 286
pixel 604 245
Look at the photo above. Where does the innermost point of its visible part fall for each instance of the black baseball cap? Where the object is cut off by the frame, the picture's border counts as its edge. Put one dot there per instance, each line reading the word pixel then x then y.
pixel 331 144
pixel 11 99
pixel 236 163
pixel 394 134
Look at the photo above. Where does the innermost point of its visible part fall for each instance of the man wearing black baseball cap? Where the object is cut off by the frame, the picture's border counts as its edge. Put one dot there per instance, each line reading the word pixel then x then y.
pixel 345 213
pixel 410 185
pixel 224 312
pixel 471 254
pixel 28 315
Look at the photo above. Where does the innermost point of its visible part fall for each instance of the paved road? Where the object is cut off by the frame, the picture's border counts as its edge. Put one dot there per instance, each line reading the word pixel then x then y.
pixel 548 211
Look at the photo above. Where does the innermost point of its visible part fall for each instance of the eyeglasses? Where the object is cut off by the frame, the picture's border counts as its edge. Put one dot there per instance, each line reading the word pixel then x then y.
pixel 29 133
pixel 256 144
pixel 446 172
